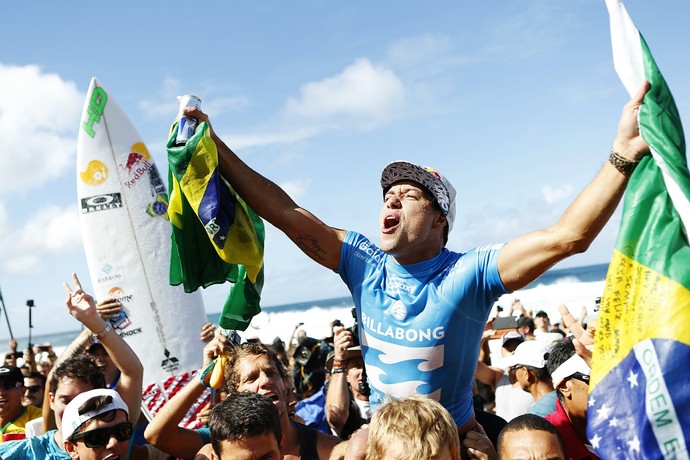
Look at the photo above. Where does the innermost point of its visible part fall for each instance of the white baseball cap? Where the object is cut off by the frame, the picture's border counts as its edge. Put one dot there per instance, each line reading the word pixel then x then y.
pixel 574 364
pixel 439 187
pixel 72 419
pixel 531 353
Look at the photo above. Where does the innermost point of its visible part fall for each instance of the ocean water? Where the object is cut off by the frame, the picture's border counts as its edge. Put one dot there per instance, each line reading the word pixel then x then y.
pixel 576 288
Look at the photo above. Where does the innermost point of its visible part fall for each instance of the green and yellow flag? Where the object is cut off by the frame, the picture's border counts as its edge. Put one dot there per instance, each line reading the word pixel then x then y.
pixel 640 384
pixel 216 237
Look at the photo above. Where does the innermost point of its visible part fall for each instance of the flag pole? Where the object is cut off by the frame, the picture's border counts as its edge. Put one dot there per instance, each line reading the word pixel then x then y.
pixel 4 309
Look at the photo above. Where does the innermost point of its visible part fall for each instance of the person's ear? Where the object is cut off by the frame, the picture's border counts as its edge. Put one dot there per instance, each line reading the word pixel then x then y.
pixel 441 219
pixel 530 376
pixel 564 388
pixel 71 449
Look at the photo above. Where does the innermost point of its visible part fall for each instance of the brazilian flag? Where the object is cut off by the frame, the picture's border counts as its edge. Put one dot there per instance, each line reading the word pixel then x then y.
pixel 640 384
pixel 216 237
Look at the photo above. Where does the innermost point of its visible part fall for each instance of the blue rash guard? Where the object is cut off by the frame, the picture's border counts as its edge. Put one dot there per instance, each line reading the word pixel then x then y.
pixel 420 325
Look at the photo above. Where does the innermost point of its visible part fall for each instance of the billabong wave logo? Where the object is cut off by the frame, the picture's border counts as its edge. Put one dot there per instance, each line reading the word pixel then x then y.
pixel 95 174
pixel 384 372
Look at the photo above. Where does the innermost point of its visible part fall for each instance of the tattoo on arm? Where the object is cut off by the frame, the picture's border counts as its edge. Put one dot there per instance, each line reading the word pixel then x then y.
pixel 311 247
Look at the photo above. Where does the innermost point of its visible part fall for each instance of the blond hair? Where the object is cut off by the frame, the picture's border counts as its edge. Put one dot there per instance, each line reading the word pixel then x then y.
pixel 415 427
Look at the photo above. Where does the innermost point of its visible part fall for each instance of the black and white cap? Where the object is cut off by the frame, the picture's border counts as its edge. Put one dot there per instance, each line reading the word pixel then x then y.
pixel 435 182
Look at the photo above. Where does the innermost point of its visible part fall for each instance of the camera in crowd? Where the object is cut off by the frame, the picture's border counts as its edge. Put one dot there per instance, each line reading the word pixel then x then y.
pixel 363 385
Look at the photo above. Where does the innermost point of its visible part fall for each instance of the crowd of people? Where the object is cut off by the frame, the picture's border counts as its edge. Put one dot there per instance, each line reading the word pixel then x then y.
pixel 96 381
pixel 402 383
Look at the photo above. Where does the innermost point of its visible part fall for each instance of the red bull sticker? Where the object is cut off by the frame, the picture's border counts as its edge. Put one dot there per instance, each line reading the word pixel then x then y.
pixel 137 163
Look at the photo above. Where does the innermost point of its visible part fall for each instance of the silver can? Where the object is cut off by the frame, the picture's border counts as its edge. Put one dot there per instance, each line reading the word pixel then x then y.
pixel 187 125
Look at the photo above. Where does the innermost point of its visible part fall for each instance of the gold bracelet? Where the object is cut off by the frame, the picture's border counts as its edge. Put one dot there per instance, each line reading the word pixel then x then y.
pixel 105 330
pixel 624 165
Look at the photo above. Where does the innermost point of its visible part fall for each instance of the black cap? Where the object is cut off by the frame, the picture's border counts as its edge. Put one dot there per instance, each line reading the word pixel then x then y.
pixel 12 374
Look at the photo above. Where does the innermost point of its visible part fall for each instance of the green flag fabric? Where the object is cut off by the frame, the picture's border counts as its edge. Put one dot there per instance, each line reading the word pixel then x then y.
pixel 640 384
pixel 216 237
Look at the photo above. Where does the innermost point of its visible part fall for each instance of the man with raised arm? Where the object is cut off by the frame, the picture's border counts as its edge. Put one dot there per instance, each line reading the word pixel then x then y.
pixel 79 374
pixel 422 308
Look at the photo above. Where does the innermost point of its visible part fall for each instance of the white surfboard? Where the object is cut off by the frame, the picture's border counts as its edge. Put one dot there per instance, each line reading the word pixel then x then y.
pixel 123 203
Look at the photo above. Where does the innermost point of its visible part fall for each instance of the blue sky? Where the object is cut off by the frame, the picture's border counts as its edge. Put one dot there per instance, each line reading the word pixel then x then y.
pixel 516 102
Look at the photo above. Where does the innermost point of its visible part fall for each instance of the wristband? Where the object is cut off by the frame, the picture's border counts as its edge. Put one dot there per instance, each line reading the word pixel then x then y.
pixel 624 165
pixel 338 370
pixel 103 332
pixel 204 373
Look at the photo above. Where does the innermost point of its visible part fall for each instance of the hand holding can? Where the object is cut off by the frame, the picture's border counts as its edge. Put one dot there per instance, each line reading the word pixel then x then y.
pixel 187 125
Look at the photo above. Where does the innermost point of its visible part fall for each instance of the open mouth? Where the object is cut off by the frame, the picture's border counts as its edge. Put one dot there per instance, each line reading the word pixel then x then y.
pixel 390 222
pixel 273 397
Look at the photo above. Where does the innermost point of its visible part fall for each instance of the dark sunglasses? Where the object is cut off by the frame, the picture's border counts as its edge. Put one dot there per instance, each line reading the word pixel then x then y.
pixel 33 388
pixel 100 436
pixel 581 377
pixel 10 385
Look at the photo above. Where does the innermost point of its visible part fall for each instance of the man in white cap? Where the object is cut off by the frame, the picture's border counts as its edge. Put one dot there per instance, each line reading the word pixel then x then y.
pixel 95 425
pixel 529 368
pixel 421 307
pixel 570 374
pixel 511 401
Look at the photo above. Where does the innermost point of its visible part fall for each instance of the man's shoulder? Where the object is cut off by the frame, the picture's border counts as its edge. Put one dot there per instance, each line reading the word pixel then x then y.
pixel 43 447
pixel 545 406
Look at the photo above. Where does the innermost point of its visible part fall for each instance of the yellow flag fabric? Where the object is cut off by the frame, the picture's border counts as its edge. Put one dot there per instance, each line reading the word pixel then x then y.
pixel 216 236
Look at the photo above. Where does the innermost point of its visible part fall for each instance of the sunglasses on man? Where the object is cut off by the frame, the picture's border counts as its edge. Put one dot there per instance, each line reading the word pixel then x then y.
pixel 100 436
pixel 34 388
pixel 581 377
pixel 10 385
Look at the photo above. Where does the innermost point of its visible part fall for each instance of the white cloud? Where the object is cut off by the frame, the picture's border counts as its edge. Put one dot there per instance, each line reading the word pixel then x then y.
pixel 282 136
pixel 362 92
pixel 296 188
pixel 165 104
pixel 553 195
pixel 50 230
pixel 39 114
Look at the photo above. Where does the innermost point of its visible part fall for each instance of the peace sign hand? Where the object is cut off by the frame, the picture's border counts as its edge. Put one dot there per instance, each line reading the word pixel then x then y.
pixel 82 306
